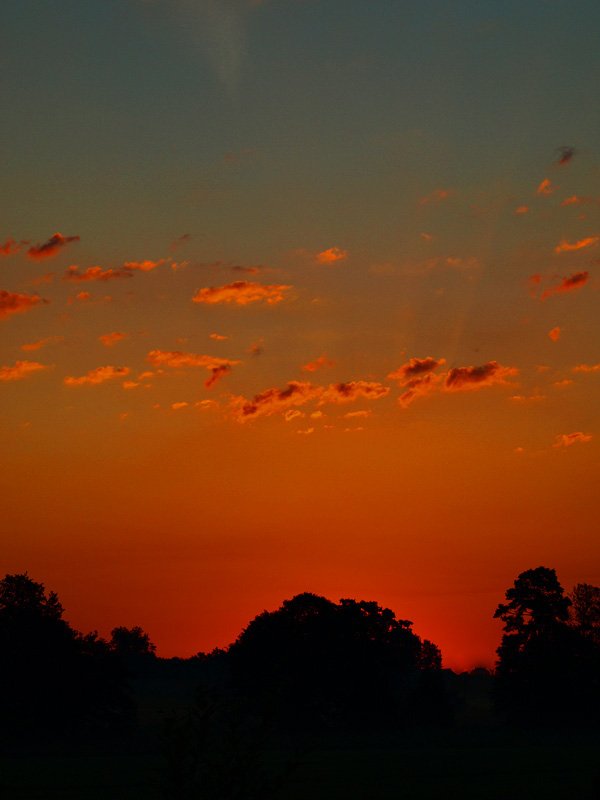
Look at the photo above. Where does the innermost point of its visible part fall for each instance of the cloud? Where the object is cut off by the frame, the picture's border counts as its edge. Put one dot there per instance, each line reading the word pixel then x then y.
pixel 545 187
pixel 255 350
pixel 575 200
pixel 576 281
pixel 273 401
pixel 110 339
pixel 13 303
pixel 348 392
pixel 416 366
pixel 41 343
pixel 565 246
pixel 436 196
pixel 331 256
pixel 533 398
pixel 521 210
pixel 20 370
pixel 177 406
pixel 464 378
pixel 144 266
pixel 180 241
pixel 419 387
pixel 322 362
pixel 10 247
pixel 562 384
pixel 428 237
pixel 177 266
pixel 356 414
pixel 241 293
pixel 566 154
pixel 218 337
pixel 567 439
pixel 247 270
pixel 306 432
pixel 81 297
pixel 176 359
pixel 129 384
pixel 72 274
pixel 98 375
pixel 43 278
pixel 587 368
pixel 50 248
pixel 292 413
pixel 554 334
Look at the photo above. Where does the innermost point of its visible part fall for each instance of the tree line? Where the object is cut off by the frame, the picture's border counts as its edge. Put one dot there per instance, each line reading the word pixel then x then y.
pixel 310 664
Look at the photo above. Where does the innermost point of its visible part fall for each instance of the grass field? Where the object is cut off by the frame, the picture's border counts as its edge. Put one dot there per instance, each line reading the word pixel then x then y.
pixel 425 765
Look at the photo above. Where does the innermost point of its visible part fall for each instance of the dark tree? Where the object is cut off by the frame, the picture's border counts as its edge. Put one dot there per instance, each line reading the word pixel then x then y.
pixel 585 610
pixel 131 642
pixel 543 673
pixel 315 662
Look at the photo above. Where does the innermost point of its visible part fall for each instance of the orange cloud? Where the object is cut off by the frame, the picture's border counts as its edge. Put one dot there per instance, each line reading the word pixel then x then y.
pixel 562 384
pixel 464 378
pixel 575 200
pixel 545 187
pixel 98 375
pixel 177 406
pixel 241 293
pixel 273 401
pixel 554 334
pixel 292 413
pixel 13 303
pixel 587 368
pixel 144 266
pixel 247 270
pixel 218 337
pixel 428 237
pixel 217 366
pixel 576 281
pixel 20 370
pixel 567 439
pixel 356 414
pixel 129 384
pixel 109 339
pixel 565 246
pixel 10 247
pixel 43 278
pixel 72 274
pixel 50 248
pixel 521 210
pixel 331 255
pixel 322 362
pixel 416 366
pixel 436 196
pixel 419 387
pixel 41 343
pixel 348 392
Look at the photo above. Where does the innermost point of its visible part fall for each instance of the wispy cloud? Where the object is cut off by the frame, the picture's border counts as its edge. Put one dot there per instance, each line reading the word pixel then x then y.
pixel 50 248
pixel 145 266
pixel 37 345
pixel 110 339
pixel 587 368
pixel 181 241
pixel 98 375
pixel 14 303
pixel 242 293
pixel 554 334
pixel 10 247
pixel 576 281
pixel 565 246
pixel 459 379
pixel 218 337
pixel 352 390
pixel 273 401
pixel 567 439
pixel 436 196
pixel 177 360
pixel 322 362
pixel 73 275
pixel 566 154
pixel 521 210
pixel 575 200
pixel 20 370
pixel 416 366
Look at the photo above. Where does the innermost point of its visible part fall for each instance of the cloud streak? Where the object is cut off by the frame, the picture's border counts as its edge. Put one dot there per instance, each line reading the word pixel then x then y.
pixel 98 375
pixel 177 360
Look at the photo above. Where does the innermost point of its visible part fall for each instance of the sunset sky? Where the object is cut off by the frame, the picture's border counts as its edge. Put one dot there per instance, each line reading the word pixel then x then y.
pixel 299 295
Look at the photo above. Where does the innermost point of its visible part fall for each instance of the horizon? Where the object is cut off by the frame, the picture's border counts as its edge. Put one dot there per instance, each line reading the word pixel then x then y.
pixel 299 297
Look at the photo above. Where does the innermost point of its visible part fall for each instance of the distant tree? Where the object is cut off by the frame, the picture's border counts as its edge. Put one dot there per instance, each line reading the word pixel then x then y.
pixel 131 642
pixel 585 610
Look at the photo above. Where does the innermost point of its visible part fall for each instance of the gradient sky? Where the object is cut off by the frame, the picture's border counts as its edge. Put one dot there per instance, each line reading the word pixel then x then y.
pixel 299 295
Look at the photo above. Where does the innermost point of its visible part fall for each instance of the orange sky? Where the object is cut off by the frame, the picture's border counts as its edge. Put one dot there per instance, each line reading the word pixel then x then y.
pixel 321 317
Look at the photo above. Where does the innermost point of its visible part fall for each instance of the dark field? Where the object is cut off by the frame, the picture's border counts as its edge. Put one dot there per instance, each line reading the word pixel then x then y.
pixel 465 763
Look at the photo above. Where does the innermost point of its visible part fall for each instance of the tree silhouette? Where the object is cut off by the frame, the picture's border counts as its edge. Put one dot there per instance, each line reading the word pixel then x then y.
pixel 585 610
pixel 132 642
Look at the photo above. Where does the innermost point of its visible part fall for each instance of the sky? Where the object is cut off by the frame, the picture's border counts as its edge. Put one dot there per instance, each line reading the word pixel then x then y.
pixel 298 295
